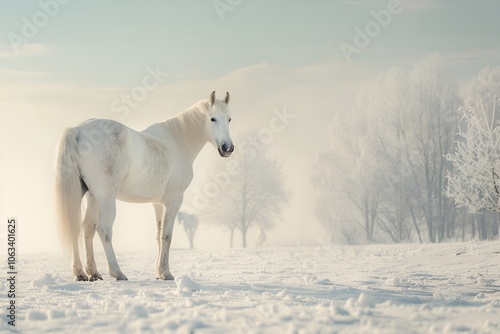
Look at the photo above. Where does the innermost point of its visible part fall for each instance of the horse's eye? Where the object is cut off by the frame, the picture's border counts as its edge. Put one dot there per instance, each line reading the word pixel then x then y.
pixel 229 120
pixel 212 119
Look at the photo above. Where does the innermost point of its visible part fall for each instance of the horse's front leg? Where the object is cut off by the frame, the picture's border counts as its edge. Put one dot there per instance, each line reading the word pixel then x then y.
pixel 165 239
pixel 159 218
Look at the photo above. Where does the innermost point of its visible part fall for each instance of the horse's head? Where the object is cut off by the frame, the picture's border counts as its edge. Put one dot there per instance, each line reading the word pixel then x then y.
pixel 217 125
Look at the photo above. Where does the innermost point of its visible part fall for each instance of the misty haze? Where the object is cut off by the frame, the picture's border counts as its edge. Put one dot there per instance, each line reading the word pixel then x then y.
pixel 236 166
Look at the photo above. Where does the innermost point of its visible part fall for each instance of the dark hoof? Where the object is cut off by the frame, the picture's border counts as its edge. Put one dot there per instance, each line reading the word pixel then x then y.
pixel 122 277
pixel 167 277
pixel 81 278
pixel 95 277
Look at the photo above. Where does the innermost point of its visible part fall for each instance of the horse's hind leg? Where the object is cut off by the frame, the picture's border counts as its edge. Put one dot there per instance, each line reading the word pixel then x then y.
pixel 89 226
pixel 107 213
pixel 77 264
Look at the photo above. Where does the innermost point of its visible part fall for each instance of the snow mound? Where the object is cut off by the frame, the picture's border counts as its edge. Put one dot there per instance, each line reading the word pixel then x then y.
pixel 337 310
pixel 190 327
pixel 53 282
pixel 363 300
pixel 313 279
pixel 136 311
pixel 186 286
pixel 393 281
pixel 310 279
pixel 480 295
pixel 147 294
pixel 46 280
pixel 324 281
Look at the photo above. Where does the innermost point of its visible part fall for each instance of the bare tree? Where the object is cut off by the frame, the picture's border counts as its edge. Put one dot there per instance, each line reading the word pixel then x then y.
pixel 386 165
pixel 190 223
pixel 423 116
pixel 254 196
pixel 391 102
pixel 347 180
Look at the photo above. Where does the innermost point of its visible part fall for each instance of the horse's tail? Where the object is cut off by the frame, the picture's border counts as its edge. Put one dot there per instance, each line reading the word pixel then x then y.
pixel 68 188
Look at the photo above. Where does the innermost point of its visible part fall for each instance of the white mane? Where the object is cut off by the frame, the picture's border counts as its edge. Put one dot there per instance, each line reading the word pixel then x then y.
pixel 189 124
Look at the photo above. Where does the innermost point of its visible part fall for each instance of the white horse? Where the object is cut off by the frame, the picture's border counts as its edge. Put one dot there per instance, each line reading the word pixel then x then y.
pixel 105 160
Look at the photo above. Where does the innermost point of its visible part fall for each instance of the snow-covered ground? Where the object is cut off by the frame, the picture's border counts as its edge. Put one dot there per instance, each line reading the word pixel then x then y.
pixel 361 289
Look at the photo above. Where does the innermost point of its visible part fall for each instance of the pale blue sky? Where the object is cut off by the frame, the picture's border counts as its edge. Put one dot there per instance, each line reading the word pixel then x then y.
pixel 107 42
pixel 268 54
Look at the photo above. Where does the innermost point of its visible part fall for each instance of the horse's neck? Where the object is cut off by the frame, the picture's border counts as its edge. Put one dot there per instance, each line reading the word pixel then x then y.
pixel 188 130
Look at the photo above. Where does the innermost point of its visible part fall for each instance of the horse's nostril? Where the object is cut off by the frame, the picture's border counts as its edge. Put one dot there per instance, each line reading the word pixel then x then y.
pixel 228 149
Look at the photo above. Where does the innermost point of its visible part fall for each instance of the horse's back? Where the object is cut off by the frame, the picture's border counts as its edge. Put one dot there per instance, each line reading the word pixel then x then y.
pixel 103 154
pixel 149 169
pixel 134 166
pixel 98 137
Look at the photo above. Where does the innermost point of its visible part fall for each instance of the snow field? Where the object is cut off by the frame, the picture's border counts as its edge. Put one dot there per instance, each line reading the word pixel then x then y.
pixel 445 288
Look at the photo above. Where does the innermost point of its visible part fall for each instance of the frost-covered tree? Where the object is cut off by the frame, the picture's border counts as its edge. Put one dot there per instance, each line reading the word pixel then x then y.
pixel 475 147
pixel 254 195
pixel 482 88
pixel 474 181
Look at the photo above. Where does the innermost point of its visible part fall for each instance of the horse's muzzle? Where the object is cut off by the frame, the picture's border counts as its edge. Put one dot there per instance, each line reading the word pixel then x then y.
pixel 226 150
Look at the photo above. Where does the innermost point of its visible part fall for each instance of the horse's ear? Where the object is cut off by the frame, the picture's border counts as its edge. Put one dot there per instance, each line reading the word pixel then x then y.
pixel 226 98
pixel 212 98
